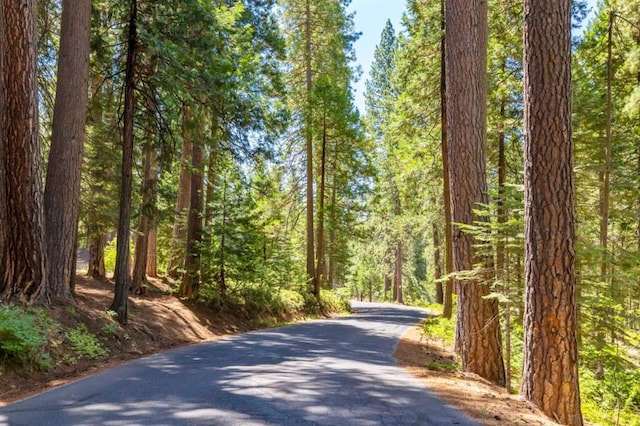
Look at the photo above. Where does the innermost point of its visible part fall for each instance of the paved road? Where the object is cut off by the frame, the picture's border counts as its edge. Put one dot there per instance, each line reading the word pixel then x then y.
pixel 333 372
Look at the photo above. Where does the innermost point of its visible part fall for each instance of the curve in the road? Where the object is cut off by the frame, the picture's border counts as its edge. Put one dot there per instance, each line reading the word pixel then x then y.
pixel 330 372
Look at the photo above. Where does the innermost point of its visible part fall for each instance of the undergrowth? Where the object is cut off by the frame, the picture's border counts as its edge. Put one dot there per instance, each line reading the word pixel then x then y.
pixel 25 337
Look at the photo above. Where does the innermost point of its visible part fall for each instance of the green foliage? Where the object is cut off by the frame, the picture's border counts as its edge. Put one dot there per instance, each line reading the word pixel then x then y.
pixel 438 328
pixel 442 366
pixel 24 336
pixel 85 343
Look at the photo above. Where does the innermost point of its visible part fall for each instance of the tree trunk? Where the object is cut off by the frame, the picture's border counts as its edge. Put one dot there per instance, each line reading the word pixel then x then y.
pixel 97 243
pixel 399 297
pixel 437 265
pixel 62 191
pixel 320 269
pixel 311 260
pixel 447 305
pixel 121 275
pixel 478 337
pixel 176 258
pixel 23 260
pixel 191 279
pixel 146 214
pixel 550 371
pixel 152 252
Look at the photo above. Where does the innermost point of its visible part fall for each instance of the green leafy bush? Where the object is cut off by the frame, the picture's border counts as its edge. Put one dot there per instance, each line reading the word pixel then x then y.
pixel 438 328
pixel 330 301
pixel 24 336
pixel 85 343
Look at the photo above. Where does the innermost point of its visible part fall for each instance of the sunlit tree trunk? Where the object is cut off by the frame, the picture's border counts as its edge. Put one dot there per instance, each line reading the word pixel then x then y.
pixel 311 260
pixel 550 371
pixel 62 191
pixel 478 338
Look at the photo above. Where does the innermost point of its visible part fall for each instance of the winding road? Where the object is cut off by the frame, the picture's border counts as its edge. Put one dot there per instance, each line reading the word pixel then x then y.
pixel 329 372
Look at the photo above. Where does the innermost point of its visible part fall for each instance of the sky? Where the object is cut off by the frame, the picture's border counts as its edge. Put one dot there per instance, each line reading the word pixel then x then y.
pixel 369 20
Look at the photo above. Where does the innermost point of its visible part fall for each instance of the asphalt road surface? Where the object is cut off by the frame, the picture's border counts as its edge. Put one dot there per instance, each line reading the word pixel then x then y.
pixel 329 372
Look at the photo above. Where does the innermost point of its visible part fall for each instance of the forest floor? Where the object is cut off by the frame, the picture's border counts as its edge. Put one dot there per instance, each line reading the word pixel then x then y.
pixel 159 321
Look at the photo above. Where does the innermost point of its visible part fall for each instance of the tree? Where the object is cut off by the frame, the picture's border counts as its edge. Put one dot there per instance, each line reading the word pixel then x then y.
pixel 121 274
pixel 477 325
pixel 550 372
pixel 23 259
pixel 62 191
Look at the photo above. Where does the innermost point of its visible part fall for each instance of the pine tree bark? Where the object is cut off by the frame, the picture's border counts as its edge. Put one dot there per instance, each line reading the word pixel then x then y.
pixel 121 275
pixel 478 337
pixel 550 371
pixel 64 169
pixel 23 260
pixel 152 252
pixel 399 293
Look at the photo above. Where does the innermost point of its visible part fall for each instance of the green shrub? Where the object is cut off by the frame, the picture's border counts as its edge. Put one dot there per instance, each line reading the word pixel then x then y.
pixel 291 302
pixel 331 302
pixel 438 328
pixel 24 336
pixel 85 343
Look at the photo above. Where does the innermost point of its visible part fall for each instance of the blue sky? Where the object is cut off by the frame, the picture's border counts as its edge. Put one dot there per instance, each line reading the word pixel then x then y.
pixel 370 17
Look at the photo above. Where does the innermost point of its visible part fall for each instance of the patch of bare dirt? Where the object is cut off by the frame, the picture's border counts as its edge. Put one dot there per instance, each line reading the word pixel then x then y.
pixel 157 321
pixel 487 403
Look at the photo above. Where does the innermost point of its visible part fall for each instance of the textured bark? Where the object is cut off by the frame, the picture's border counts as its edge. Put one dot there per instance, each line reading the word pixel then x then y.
pixel 477 325
pixel 550 371
pixel 121 275
pixel 182 207
pixel 3 192
pixel 191 279
pixel 64 169
pixel 447 304
pixel 23 260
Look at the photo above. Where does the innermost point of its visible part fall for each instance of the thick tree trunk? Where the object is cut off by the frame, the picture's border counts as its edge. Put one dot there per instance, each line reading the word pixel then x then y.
pixel 62 192
pixel 121 275
pixel 191 278
pixel 447 305
pixel 478 337
pixel 23 260
pixel 550 371
pixel 176 258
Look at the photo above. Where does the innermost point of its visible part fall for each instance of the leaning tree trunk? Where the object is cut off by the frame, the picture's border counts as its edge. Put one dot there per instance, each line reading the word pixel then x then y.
pixel 23 260
pixel 550 371
pixel 478 337
pixel 62 191
pixel 122 277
